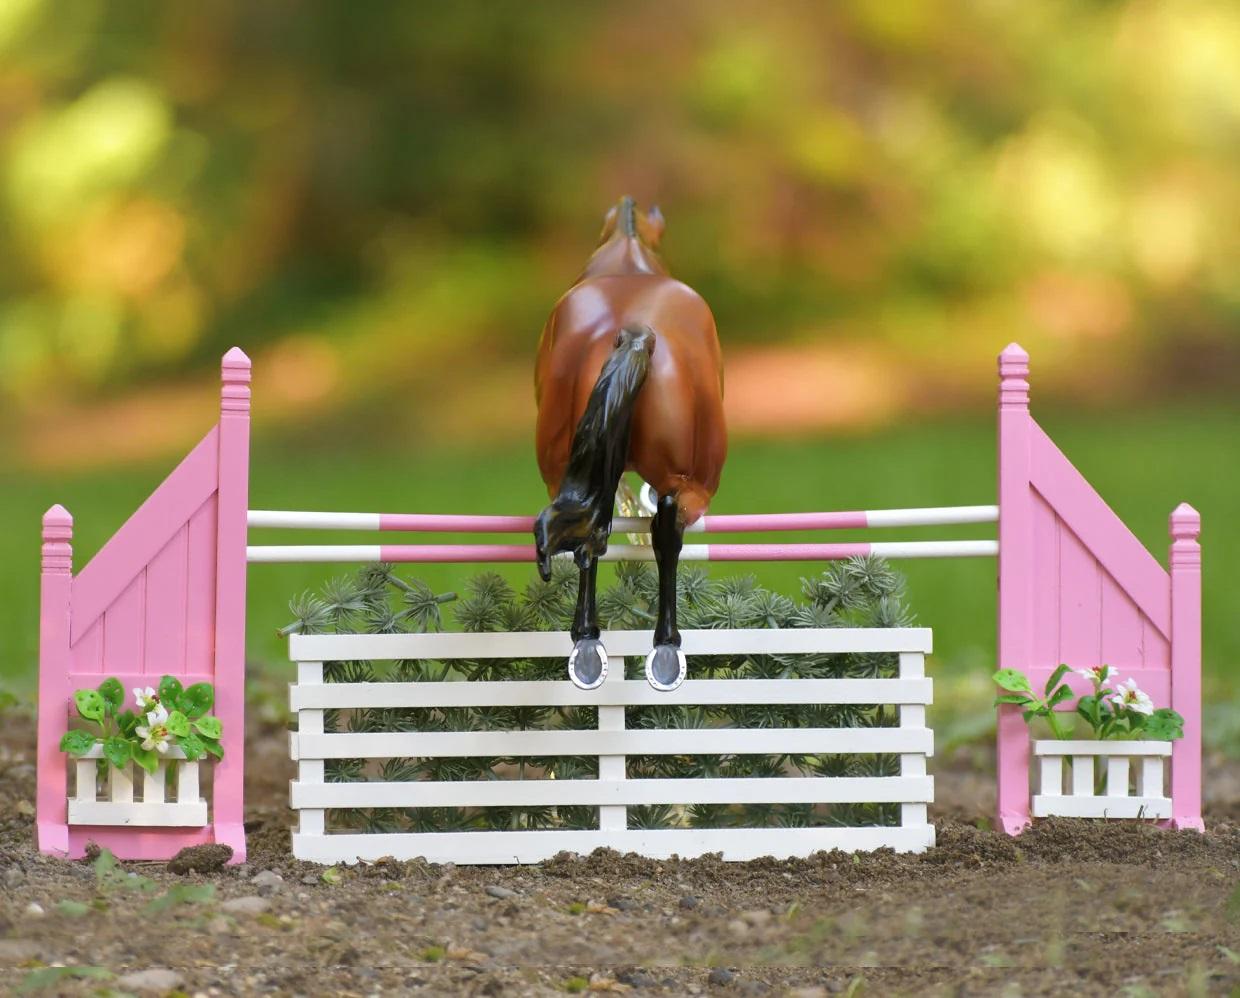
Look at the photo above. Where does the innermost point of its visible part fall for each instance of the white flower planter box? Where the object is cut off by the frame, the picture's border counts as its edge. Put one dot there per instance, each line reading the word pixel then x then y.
pixel 118 806
pixel 1130 773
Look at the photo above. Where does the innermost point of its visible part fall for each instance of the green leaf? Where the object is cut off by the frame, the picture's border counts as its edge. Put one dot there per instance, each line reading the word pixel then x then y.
pixel 49 977
pixel 1060 695
pixel 197 700
pixel 193 746
pixel 209 726
pixel 1021 698
pixel 1164 725
pixel 214 747
pixel 113 694
pixel 148 759
pixel 331 876
pixel 72 909
pixel 1055 676
pixel 1013 680
pixel 127 722
pixel 90 705
pixel 118 751
pixel 177 724
pixel 77 743
pixel 180 894
pixel 170 692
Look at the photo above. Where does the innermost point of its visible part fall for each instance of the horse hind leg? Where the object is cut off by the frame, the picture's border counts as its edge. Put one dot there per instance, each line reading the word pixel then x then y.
pixel 587 663
pixel 665 665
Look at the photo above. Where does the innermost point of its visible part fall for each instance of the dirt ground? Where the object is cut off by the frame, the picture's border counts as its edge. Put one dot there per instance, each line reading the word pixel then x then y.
pixel 1071 908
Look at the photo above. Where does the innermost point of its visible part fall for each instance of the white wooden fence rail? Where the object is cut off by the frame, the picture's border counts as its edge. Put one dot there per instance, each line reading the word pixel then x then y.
pixel 1097 793
pixel 611 792
pixel 118 805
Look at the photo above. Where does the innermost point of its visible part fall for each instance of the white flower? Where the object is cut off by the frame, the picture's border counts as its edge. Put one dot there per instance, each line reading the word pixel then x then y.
pixel 157 716
pixel 146 699
pixel 1128 697
pixel 154 736
pixel 1099 676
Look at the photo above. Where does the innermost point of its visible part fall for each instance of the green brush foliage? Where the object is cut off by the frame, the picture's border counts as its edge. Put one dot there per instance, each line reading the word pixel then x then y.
pixel 862 592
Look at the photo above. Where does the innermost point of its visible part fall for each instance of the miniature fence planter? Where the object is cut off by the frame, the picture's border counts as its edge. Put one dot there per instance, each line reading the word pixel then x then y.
pixel 1124 760
pixel 611 792
pixel 153 810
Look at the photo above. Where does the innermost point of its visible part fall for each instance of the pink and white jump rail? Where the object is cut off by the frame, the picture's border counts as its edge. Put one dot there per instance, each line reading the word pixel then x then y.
pixel 166 594
pixel 734 523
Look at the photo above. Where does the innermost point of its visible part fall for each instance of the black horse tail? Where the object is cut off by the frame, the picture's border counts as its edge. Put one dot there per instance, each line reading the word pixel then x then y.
pixel 579 518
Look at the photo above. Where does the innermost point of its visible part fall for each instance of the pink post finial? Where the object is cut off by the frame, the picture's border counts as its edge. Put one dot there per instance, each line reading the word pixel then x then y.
pixel 235 378
pixel 57 535
pixel 1185 523
pixel 1013 377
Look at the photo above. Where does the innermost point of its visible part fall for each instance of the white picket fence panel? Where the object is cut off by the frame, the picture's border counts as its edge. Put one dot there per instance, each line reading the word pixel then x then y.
pixel 117 805
pixel 612 792
pixel 1126 762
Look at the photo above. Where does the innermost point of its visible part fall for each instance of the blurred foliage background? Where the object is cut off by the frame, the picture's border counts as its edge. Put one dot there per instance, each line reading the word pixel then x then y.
pixel 381 201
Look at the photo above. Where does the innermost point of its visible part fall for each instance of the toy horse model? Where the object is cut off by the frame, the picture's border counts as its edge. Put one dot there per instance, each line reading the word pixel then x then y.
pixel 629 376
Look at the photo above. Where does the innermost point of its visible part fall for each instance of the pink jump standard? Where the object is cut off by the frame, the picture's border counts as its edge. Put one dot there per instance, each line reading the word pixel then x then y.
pixel 1076 587
pixel 165 595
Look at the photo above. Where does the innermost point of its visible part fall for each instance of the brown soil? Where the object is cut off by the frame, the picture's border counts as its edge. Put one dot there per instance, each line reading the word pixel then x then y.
pixel 1072 907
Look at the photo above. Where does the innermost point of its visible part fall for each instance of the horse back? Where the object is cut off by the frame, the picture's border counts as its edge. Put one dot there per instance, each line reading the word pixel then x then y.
pixel 678 431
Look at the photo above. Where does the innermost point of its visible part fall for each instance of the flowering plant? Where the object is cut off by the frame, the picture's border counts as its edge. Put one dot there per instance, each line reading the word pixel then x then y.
pixel 1119 711
pixel 170 715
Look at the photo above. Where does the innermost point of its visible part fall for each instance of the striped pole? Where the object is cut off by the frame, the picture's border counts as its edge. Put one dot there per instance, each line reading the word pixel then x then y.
pixel 491 553
pixel 722 524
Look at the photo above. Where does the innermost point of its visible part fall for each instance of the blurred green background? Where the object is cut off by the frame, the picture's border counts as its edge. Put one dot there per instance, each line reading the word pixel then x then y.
pixel 380 202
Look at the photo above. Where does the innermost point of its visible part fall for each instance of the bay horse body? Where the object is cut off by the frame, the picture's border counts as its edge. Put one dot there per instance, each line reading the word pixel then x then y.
pixel 629 376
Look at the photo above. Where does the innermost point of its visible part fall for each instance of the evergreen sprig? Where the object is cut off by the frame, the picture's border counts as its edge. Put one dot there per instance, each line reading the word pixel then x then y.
pixel 861 592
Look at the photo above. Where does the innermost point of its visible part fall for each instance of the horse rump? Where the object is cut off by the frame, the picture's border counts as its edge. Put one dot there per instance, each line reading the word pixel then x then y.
pixel 578 519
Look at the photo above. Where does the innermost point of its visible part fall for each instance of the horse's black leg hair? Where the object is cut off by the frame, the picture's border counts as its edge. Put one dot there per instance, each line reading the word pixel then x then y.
pixel 668 537
pixel 585 620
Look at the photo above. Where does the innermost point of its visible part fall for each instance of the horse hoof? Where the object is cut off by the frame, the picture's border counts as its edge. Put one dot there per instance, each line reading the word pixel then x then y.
pixel 587 665
pixel 666 668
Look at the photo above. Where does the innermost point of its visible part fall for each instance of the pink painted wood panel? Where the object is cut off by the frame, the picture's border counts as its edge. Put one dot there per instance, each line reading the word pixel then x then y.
pixel 166 592
pixel 124 629
pixel 1080 597
pixel 1083 616
pixel 1046 645
pixel 133 547
pixel 1157 649
pixel 1122 628
pixel 87 655
pixel 1109 540
pixel 200 594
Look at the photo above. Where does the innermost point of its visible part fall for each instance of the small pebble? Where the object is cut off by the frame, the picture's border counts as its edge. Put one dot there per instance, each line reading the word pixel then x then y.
pixel 688 902
pixel 268 882
pixel 156 979
pixel 720 976
pixel 503 893
pixel 622 903
pixel 250 905
pixel 219 925
pixel 756 918
pixel 34 910
pixel 636 979
pixel 18 950
pixel 311 879
pixel 738 928
pixel 14 876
